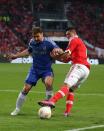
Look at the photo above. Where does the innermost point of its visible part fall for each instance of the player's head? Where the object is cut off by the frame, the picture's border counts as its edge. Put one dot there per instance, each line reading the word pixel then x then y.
pixel 70 31
pixel 37 34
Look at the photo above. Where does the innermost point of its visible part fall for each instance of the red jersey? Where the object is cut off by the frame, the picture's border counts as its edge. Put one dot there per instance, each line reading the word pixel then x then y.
pixel 78 51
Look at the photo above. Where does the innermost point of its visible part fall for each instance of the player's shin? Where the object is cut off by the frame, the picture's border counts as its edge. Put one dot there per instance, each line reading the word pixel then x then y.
pixel 49 94
pixel 69 102
pixel 20 100
pixel 60 94
pixel 19 103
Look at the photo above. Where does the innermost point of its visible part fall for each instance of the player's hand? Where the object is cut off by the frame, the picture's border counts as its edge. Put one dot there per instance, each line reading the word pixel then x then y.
pixel 56 52
pixel 66 54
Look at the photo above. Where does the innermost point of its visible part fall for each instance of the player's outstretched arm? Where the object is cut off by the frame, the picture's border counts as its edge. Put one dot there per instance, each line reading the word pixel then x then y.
pixel 18 55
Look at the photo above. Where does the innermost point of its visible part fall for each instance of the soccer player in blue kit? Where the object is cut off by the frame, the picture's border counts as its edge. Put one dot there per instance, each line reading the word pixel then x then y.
pixel 39 48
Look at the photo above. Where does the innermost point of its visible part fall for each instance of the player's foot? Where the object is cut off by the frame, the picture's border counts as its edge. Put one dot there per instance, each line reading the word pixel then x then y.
pixel 66 114
pixel 15 112
pixel 46 103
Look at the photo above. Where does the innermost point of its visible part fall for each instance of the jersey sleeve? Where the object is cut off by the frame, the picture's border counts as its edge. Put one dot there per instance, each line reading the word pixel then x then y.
pixel 30 46
pixel 52 44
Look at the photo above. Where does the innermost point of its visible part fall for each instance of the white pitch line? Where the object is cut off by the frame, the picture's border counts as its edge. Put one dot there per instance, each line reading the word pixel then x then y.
pixel 86 128
pixel 19 91
pixel 38 92
pixel 90 94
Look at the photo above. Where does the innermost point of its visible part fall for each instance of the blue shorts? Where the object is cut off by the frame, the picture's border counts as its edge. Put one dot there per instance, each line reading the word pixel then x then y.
pixel 35 74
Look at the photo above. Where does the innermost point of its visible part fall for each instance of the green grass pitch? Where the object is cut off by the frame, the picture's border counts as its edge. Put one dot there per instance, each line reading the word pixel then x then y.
pixel 88 109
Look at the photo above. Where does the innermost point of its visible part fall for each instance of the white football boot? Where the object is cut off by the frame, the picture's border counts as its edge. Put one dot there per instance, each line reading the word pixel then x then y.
pixel 15 112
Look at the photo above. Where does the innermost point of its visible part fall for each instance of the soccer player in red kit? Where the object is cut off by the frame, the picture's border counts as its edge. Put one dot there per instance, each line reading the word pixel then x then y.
pixel 76 52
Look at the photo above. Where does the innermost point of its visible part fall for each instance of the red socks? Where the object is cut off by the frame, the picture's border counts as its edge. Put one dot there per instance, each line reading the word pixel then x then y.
pixel 60 94
pixel 69 102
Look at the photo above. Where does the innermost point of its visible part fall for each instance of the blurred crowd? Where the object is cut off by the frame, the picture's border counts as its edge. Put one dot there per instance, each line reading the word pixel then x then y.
pixel 16 20
pixel 89 18
pixel 15 33
pixel 9 42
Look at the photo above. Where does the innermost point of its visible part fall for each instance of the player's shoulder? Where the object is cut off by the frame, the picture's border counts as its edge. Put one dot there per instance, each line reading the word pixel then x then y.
pixel 49 40
pixel 76 40
pixel 31 42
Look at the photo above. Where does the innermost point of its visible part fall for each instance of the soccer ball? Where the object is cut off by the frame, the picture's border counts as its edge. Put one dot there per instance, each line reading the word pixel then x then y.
pixel 44 112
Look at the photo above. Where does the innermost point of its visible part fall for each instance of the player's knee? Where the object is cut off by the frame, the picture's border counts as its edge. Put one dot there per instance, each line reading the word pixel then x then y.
pixel 48 86
pixel 24 93
pixel 48 83
pixel 26 90
pixel 69 87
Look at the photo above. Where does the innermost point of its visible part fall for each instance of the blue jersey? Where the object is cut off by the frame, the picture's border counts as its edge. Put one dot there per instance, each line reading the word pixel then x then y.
pixel 42 60
pixel 41 53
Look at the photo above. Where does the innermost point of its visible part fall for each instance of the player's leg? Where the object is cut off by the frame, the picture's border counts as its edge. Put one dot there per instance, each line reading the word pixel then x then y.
pixel 47 78
pixel 48 81
pixel 58 95
pixel 29 82
pixel 64 90
pixel 71 79
pixel 21 98
pixel 83 73
pixel 69 102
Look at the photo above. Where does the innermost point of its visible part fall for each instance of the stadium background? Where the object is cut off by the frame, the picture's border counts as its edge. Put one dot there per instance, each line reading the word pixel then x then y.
pixel 16 20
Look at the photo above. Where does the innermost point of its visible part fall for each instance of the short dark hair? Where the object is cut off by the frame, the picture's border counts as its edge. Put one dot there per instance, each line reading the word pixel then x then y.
pixel 71 27
pixel 36 29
